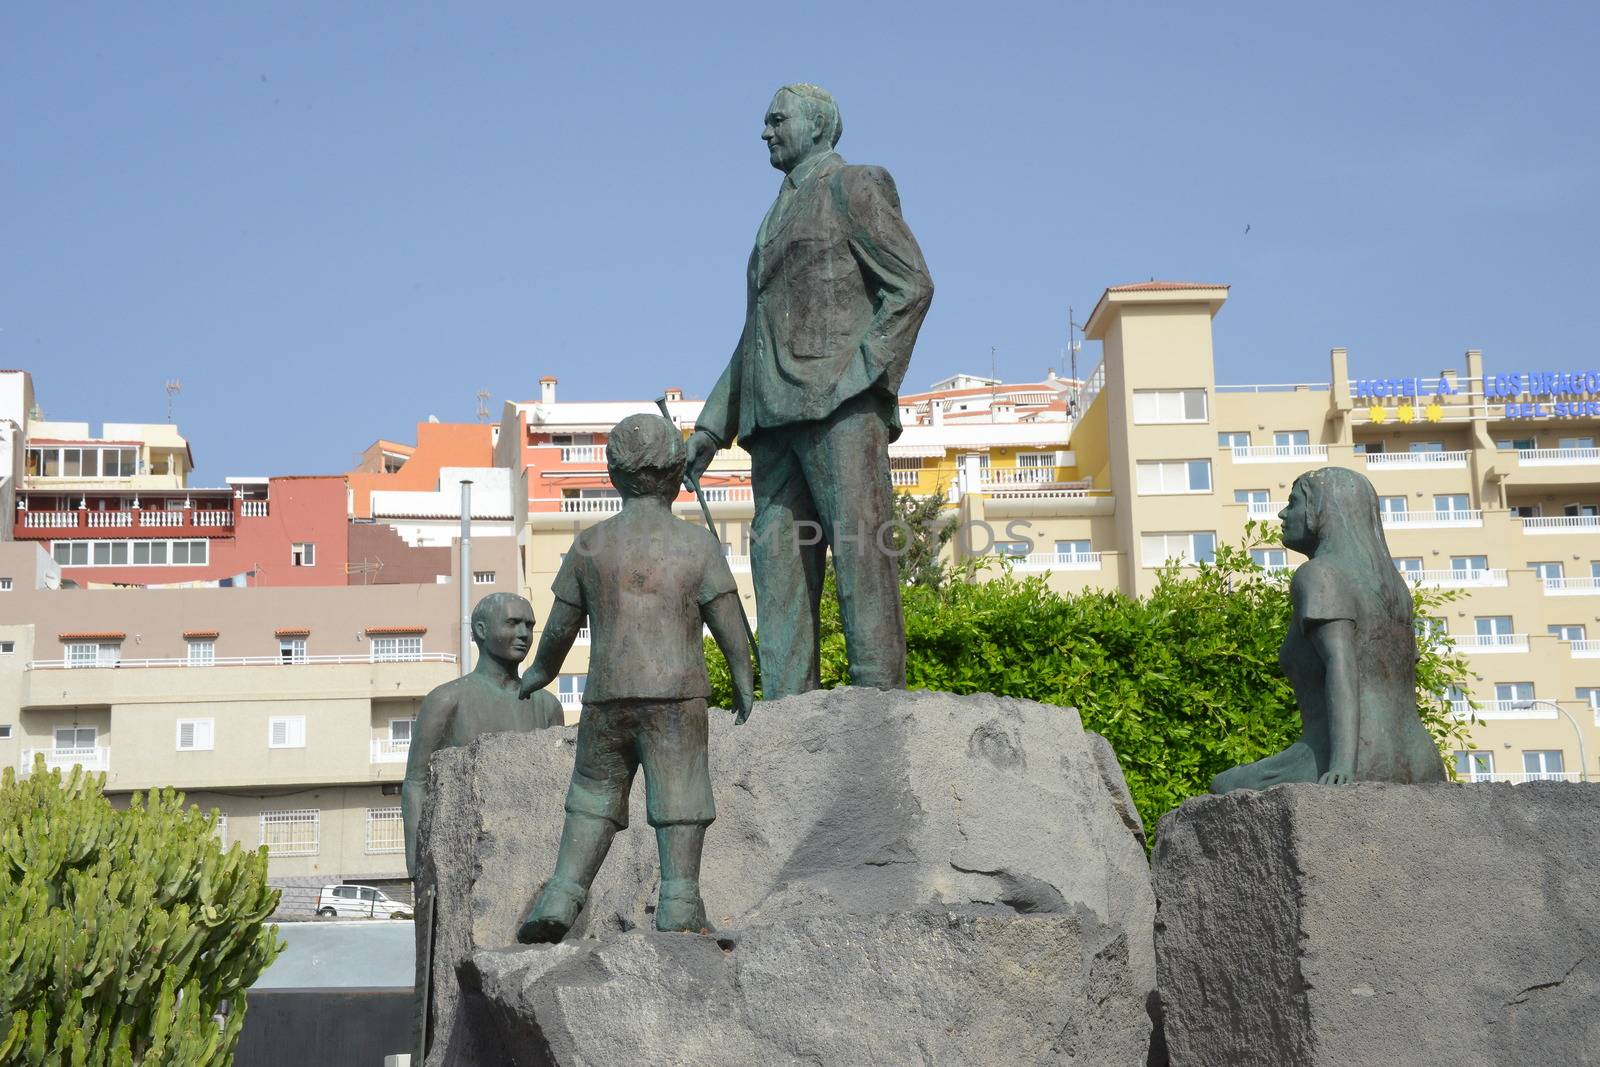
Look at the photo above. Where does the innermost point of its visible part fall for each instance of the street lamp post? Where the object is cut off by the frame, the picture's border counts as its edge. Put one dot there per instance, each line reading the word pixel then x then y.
pixel 1583 760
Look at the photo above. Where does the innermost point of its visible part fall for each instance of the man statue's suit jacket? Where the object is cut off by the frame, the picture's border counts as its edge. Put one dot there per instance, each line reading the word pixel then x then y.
pixel 837 292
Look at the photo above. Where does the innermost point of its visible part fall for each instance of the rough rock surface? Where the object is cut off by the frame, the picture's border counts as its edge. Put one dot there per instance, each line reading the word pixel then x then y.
pixel 1382 924
pixel 849 804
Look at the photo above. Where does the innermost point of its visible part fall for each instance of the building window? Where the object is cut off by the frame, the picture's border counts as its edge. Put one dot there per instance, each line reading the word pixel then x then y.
pixel 569 689
pixel 1565 631
pixel 82 462
pixel 1546 571
pixel 93 653
pixel 1426 446
pixel 397 648
pixel 77 740
pixel 1469 564
pixel 1159 477
pixel 1251 496
pixel 5 731
pixel 291 833
pixel 131 553
pixel 202 651
pixel 286 731
pixel 8 648
pixel 1474 766
pixel 1492 625
pixel 71 553
pixel 5 585
pixel 1011 549
pixel 291 650
pixel 1074 548
pixel 483 577
pixel 400 730
pixel 1590 695
pixel 1444 502
pixel 1291 438
pixel 303 554
pixel 1524 511
pixel 1169 405
pixel 1187 548
pixel 1521 444
pixel 1543 766
pixel 220 827
pixel 1391 505
pixel 1270 559
pixel 1234 439
pixel 194 735
pixel 1513 692
pixel 1408 564
pixel 386 831
pixel 1037 459
pixel 1580 511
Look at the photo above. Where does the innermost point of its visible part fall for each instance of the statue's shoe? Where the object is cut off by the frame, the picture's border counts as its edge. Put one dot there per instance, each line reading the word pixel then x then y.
pixel 553 913
pixel 680 908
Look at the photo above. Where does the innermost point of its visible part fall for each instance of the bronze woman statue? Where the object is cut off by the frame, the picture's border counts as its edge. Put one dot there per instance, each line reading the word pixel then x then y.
pixel 1351 650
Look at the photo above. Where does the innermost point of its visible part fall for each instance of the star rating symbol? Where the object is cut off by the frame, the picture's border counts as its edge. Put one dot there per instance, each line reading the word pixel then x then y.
pixel 1376 413
pixel 1434 412
pixel 1406 413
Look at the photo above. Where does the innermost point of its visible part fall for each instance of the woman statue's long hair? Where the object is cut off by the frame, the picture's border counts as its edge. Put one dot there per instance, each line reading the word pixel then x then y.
pixel 1349 529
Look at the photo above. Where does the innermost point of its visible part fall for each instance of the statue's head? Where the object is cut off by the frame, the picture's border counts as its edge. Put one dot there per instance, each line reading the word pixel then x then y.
pixel 1330 502
pixel 801 121
pixel 645 455
pixel 502 627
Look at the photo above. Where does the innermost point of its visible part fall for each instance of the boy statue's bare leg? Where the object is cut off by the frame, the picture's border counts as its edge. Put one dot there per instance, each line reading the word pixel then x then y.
pixel 680 906
pixel 585 840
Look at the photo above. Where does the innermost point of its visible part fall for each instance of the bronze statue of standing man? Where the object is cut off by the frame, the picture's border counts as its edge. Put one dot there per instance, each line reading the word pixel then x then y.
pixel 837 290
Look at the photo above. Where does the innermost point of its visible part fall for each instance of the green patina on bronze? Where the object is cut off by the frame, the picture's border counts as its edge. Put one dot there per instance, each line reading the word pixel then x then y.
pixel 647 581
pixel 482 702
pixel 836 292
pixel 1351 649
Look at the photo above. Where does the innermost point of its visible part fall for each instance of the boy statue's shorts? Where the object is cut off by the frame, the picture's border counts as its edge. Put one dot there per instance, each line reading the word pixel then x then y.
pixel 668 737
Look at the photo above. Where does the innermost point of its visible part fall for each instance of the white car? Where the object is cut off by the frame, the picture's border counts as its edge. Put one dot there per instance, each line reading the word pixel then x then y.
pixel 359 901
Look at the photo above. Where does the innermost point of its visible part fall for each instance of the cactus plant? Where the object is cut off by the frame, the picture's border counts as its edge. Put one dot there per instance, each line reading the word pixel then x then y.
pixel 126 936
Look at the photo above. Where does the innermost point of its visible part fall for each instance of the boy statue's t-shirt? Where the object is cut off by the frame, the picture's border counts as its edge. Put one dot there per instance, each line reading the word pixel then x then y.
pixel 642 577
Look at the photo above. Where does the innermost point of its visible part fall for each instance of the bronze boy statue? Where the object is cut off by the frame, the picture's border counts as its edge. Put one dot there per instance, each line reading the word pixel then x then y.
pixel 646 580
pixel 482 702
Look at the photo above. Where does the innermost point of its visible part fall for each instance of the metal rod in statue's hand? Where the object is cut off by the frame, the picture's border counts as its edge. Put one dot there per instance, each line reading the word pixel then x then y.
pixel 705 509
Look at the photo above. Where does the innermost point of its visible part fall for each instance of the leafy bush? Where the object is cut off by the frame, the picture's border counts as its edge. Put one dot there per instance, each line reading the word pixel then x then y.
pixel 1184 683
pixel 122 932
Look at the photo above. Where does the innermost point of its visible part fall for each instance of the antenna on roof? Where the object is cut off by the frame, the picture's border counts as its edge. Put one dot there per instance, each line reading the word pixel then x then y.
pixel 483 405
pixel 1073 344
pixel 174 387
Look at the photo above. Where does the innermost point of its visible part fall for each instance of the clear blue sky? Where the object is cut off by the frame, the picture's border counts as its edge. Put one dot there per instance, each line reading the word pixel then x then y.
pixel 331 222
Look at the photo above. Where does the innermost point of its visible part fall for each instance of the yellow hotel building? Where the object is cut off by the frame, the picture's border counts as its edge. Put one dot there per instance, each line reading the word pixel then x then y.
pixel 1487 485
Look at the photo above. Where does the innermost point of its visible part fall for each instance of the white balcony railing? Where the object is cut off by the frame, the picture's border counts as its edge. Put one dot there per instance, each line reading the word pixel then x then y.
pixel 103 519
pixel 738 564
pixel 90 759
pixel 388 750
pixel 1557 457
pixel 1060 491
pixel 213 518
pixel 583 454
pixel 1521 777
pixel 1059 561
pixel 1266 509
pixel 253 509
pixel 1419 520
pixel 1416 460
pixel 1572 587
pixel 570 701
pixel 160 518
pixel 1458 579
pixel 726 494
pixel 903 478
pixel 1278 453
pixel 235 661
pixel 1585 649
pixel 583 636
pixel 587 505
pixel 1022 476
pixel 1491 642
pixel 50 520
pixel 1560 524
pixel 1505 709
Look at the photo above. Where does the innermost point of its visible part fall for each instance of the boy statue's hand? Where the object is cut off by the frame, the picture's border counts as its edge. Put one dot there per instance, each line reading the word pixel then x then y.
pixel 533 681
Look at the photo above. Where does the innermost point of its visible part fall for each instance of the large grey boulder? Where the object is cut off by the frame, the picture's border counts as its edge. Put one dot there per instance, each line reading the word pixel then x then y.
pixel 859 807
pixel 1382 924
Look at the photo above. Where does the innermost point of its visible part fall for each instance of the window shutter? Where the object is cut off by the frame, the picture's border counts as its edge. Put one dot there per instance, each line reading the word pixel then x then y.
pixel 186 735
pixel 280 732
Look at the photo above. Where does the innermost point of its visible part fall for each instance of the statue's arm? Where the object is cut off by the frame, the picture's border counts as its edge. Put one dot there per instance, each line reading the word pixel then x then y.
pixel 428 735
pixel 560 630
pixel 1335 642
pixel 727 629
pixel 719 415
pixel 893 268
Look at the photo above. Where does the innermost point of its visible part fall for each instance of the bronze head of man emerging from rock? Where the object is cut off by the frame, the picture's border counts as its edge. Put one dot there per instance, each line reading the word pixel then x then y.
pixel 836 290
pixel 648 582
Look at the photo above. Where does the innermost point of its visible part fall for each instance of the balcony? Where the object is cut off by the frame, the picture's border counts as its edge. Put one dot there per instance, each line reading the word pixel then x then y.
pixel 1572 586
pixel 128 522
pixel 99 520
pixel 990 481
pixel 387 750
pixel 1266 510
pixel 583 636
pixel 1504 709
pixel 1586 649
pixel 727 494
pixel 50 520
pixel 1557 457
pixel 64 759
pixel 1058 561
pixel 1521 777
pixel 590 505
pixel 583 453
pixel 738 564
pixel 238 661
pixel 1429 520
pixel 1279 453
pixel 1562 524
pixel 1487 643
pixel 570 701
pixel 903 478
pixel 1416 461
pixel 253 509
pixel 1494 577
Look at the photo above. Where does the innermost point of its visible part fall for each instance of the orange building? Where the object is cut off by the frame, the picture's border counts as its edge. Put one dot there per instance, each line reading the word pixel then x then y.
pixel 387 465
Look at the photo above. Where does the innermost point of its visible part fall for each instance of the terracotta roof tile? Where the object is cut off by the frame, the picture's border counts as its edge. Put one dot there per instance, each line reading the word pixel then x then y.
pixel 1156 287
pixel 292 631
pixel 92 635
pixel 383 630
pixel 199 633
